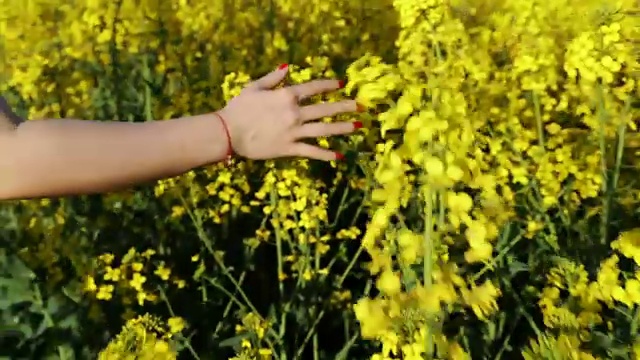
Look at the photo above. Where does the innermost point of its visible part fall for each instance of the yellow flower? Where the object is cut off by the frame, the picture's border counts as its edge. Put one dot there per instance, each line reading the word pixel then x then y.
pixel 389 283
pixel 479 253
pixel 410 246
pixel 137 266
pixel 628 244
pixel 373 320
pixel 180 283
pixel 177 211
pixel 161 347
pixel 307 274
pixel 148 253
pixel 482 299
pixel 107 259
pixel 162 272
pixel 142 337
pixel 460 204
pixel 176 324
pixel 90 284
pixel 137 281
pixel 264 352
pixel 456 352
pixel 105 292
pixel 141 296
pixel 476 234
pixel 112 274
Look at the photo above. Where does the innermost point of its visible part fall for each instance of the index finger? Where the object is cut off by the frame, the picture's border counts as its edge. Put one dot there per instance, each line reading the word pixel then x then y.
pixel 270 80
pixel 315 87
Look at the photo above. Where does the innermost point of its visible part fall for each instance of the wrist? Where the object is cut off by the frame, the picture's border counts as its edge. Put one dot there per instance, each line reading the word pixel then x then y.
pixel 206 141
pixel 229 153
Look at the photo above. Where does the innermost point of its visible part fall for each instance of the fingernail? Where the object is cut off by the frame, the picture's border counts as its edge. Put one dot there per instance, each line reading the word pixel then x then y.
pixel 357 125
pixel 360 107
pixel 341 84
pixel 283 66
pixel 339 156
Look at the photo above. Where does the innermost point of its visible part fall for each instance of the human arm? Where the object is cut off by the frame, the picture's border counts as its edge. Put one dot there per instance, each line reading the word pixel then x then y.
pixel 57 157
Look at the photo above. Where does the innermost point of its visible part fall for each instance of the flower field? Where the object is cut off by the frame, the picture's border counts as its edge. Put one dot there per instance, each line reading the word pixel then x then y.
pixel 489 208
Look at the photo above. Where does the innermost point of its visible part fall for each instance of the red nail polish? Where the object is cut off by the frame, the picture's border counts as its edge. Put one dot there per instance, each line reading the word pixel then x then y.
pixel 339 156
pixel 283 66
pixel 357 125
pixel 360 107
pixel 341 84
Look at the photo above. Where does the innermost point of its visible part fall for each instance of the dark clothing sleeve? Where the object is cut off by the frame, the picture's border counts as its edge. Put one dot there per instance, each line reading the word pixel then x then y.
pixel 6 114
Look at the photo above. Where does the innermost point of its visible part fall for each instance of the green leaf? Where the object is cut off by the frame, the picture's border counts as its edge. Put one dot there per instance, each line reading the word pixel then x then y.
pixel 73 292
pixel 516 267
pixel 42 327
pixel 600 340
pixel 7 331
pixel 233 341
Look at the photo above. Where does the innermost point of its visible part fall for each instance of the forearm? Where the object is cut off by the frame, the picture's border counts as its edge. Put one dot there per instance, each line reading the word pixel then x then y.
pixel 67 157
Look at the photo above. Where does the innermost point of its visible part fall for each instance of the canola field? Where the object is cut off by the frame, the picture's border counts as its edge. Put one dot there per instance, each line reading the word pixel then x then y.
pixel 489 208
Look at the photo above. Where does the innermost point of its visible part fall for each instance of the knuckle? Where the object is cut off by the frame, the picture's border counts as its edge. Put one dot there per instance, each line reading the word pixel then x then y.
pixel 316 85
pixel 288 96
pixel 291 136
pixel 320 86
pixel 329 84
pixel 334 109
pixel 299 133
pixel 337 129
pixel 349 105
pixel 291 115
pixel 306 131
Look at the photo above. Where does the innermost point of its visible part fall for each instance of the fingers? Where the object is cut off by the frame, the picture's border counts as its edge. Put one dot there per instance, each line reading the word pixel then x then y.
pixel 270 80
pixel 317 111
pixel 316 87
pixel 319 129
pixel 312 152
pixel 314 130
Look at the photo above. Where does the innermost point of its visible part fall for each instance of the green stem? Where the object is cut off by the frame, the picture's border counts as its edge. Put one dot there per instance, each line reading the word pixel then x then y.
pixel 227 308
pixel 317 321
pixel 316 266
pixel 539 123
pixel 497 258
pixel 342 355
pixel 340 207
pixel 427 265
pixel 283 322
pixel 338 285
pixel 185 341
pixel 209 245
pixel 622 128
pixel 360 249
pixel 634 322
pixel 602 117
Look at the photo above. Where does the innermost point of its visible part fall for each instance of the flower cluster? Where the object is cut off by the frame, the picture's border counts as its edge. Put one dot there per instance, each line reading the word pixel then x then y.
pixel 500 113
pixel 145 337
pixel 488 207
pixel 129 276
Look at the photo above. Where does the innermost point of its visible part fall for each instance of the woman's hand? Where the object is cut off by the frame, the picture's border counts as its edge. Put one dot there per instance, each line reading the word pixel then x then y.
pixel 264 123
pixel 72 157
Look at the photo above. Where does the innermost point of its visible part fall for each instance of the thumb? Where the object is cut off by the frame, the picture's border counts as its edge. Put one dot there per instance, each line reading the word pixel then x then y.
pixel 270 80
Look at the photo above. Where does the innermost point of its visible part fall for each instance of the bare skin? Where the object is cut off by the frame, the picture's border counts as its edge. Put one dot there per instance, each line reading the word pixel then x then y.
pixel 57 157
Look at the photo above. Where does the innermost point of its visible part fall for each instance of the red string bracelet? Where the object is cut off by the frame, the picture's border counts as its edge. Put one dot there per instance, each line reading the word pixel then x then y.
pixel 229 156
